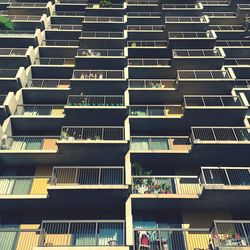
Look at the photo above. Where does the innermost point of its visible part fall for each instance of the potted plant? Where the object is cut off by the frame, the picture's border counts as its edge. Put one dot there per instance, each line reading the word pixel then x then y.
pixel 136 168
pixel 105 3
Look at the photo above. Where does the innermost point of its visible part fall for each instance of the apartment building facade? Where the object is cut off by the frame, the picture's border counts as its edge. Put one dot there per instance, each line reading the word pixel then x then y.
pixel 125 125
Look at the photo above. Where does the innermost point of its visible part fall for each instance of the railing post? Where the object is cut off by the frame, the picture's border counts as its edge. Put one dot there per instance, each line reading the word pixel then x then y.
pixel 96 234
pixel 99 176
pixel 245 234
pixel 76 173
pixel 228 179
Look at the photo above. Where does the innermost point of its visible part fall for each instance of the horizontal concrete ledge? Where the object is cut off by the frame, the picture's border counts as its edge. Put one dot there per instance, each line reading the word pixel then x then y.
pixel 83 248
pixel 58 187
pixel 159 151
pixel 37 116
pixel 9 151
pixel 23 196
pixel 234 248
pixel 91 142
pixel 164 196
pixel 223 187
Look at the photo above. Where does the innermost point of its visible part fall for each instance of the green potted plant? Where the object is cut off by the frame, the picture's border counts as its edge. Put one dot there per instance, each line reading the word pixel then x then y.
pixel 105 3
pixel 136 168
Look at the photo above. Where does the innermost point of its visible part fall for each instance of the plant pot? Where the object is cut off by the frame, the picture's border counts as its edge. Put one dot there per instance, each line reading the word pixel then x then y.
pixel 112 243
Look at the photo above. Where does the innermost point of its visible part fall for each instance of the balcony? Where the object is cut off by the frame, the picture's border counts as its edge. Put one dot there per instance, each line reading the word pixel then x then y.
pixel 192 40
pixel 98 75
pixel 12 79
pixel 50 42
pixel 160 144
pixel 65 27
pixel 182 9
pixel 106 184
pixel 230 32
pixel 23 187
pixel 80 233
pixel 88 142
pixel 171 238
pixel 48 83
pixel 103 40
pixel 147 44
pixel 97 23
pixel 186 23
pixel 230 234
pixel 69 13
pixel 54 61
pixel 96 58
pixel 25 39
pixel 198 58
pixel 96 109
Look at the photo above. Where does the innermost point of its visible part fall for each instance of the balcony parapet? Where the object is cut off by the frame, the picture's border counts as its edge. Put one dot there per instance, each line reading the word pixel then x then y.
pixel 40 110
pixel 48 83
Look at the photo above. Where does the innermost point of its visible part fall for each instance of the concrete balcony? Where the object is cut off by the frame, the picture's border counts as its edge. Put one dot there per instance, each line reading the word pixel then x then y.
pixel 143 5
pixel 146 32
pixel 182 9
pixel 191 40
pixel 223 18
pixel 96 109
pixel 146 18
pixel 198 59
pixel 96 58
pixel 95 9
pixel 7 105
pixel 186 23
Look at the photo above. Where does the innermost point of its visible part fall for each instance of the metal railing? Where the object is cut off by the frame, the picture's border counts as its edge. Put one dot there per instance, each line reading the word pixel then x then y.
pixel 230 233
pixel 212 101
pixel 149 62
pixel 186 19
pixel 242 83
pixel 26 239
pixel 180 6
pixel 196 53
pixel 155 110
pixel 87 176
pixel 145 27
pixel 65 27
pixel 100 52
pixel 12 52
pixel 203 74
pixel 214 3
pixel 193 35
pixel 17 33
pixel 83 233
pixel 171 238
pixel 24 18
pixel 48 83
pixel 143 2
pixel 60 42
pixel 232 134
pixel 101 34
pixel 228 176
pixel 226 27
pixel 98 74
pixel 112 6
pixel 95 100
pixel 101 19
pixel 23 185
pixel 89 133
pixel 232 43
pixel 22 143
pixel 2 99
pixel 69 13
pixel 237 61
pixel 153 84
pixel 39 109
pixel 8 73
pixel 54 61
pixel 185 185
pixel 28 5
pixel 147 43
pixel 144 14
pixel 147 143
pixel 220 14
pixel 72 1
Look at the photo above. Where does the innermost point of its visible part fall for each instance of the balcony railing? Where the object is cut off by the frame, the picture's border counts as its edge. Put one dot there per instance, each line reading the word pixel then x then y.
pixel 231 234
pixel 212 101
pixel 101 19
pixel 23 185
pixel 143 2
pixel 112 6
pixel 145 27
pixel 203 74
pixel 8 73
pixel 166 143
pixel 48 83
pixel 166 185
pixel 171 238
pixel 26 239
pixel 2 99
pixel 149 62
pixel 74 1
pixel 220 14
pixel 98 74
pixel 69 13
pixel 95 100
pixel 29 5
pixel 217 134
pixel 237 61
pixel 83 233
pixel 54 61
pixel 232 43
pixel 17 33
pixel 155 110
pixel 196 53
pixel 227 176
pixel 24 143
pixel 87 176
pixel 215 3
pixel 193 35
pixel 152 84
pixel 100 52
pixel 49 42
pixel 186 19
pixel 13 52
pixel 39 110
pixel 226 27
pixel 65 27
pixel 180 6
pixel 24 18
pixel 101 34
pixel 144 14
pixel 135 44
pixel 78 133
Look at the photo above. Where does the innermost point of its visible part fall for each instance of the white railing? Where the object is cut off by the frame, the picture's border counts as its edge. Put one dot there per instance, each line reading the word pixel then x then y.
pixel 188 35
pixel 145 27
pixel 101 19
pixel 98 74
pixel 39 110
pixel 154 43
pixel 196 53
pixel 48 83
pixel 65 27
pixel 100 52
pixel 203 74
pixel 149 62
pixel 101 34
pixel 54 61
pixel 152 84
